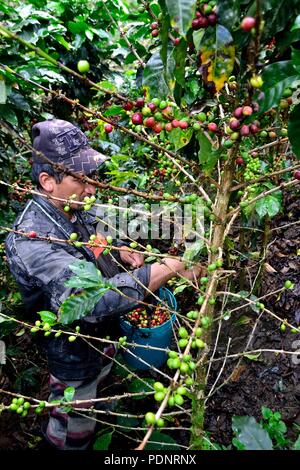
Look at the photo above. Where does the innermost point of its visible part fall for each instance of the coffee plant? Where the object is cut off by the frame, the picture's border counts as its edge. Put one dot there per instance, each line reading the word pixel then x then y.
pixel 196 103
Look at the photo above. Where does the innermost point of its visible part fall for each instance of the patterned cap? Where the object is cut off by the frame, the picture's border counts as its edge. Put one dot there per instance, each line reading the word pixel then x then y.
pixel 64 143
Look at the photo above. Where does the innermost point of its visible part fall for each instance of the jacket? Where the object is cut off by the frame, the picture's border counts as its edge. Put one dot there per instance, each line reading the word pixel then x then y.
pixel 41 269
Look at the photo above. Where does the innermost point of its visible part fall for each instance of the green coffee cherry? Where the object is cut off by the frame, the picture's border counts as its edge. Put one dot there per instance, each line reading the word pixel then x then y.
pixel 182 343
pixel 171 401
pixel 73 236
pixel 212 267
pixel 182 332
pixel 178 399
pixel 160 423
pixel 133 245
pixel 198 332
pixel 184 368
pixel 173 354
pixel 288 285
pixel 78 244
pixel 158 387
pixel 200 344
pixel 150 418
pixel 181 390
pixel 159 396
pixel 71 339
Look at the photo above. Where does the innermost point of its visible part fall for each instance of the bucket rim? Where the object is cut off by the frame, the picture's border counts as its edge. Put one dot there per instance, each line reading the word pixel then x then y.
pixel 171 319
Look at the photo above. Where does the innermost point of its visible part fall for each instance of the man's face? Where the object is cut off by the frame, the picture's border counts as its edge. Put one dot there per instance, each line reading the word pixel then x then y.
pixel 69 186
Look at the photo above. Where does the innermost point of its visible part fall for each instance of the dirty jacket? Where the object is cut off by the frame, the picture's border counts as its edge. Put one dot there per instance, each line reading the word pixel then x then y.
pixel 41 269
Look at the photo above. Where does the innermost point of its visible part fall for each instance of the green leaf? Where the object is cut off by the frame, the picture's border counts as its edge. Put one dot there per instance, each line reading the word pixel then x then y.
pixel 103 442
pixel 277 72
pixel 192 252
pixel 250 433
pixel 181 13
pixel 179 54
pixel 78 306
pixel 180 288
pixel 266 412
pixel 89 34
pixel 276 78
pixel 3 92
pixel 296 446
pixel 197 38
pixel 252 357
pixel 179 138
pixel 78 27
pixel 164 29
pixel 296 24
pixel 69 393
pixel 269 205
pixel 217 55
pixel 160 441
pixel 296 59
pixel 48 317
pixel 86 275
pixel 207 157
pixel 293 130
pixel 228 12
pixel 153 77
pixel 8 114
pixel 18 101
pixel 139 386
pixel 277 16
pixel 114 110
pixel 62 41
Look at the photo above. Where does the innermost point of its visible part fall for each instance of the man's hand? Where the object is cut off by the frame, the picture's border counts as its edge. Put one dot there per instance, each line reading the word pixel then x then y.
pixel 136 260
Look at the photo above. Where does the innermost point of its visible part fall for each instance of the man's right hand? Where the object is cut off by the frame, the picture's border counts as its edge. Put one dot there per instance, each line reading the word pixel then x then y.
pixel 169 268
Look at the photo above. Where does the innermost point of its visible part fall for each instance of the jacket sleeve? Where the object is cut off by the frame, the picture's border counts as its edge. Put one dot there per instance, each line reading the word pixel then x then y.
pixel 132 288
pixel 47 266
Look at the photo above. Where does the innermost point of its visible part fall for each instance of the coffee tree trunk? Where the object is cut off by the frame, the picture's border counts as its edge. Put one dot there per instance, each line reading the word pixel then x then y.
pixel 221 207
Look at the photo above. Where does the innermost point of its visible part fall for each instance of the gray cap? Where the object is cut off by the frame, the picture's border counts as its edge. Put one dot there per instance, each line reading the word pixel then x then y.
pixel 64 143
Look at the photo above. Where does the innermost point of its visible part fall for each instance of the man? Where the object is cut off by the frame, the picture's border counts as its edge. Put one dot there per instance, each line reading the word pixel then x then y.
pixel 42 268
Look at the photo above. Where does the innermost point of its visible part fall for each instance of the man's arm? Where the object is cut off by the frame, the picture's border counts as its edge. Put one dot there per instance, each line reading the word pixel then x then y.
pixel 154 276
pixel 162 273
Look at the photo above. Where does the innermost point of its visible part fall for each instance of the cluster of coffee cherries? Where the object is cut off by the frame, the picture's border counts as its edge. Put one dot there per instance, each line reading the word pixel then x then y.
pixel 18 195
pixel 184 363
pixel 237 128
pixel 154 29
pixel 156 115
pixel 251 163
pixel 165 167
pixel 205 15
pixel 175 398
pixel 89 202
pixel 46 328
pixel 141 318
pixel 21 407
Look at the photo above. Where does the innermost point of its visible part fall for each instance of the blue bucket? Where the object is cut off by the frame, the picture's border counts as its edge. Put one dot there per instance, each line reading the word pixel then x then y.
pixel 158 336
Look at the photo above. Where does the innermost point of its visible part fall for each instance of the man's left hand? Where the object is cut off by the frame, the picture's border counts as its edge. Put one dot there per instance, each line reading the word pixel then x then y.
pixel 136 260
